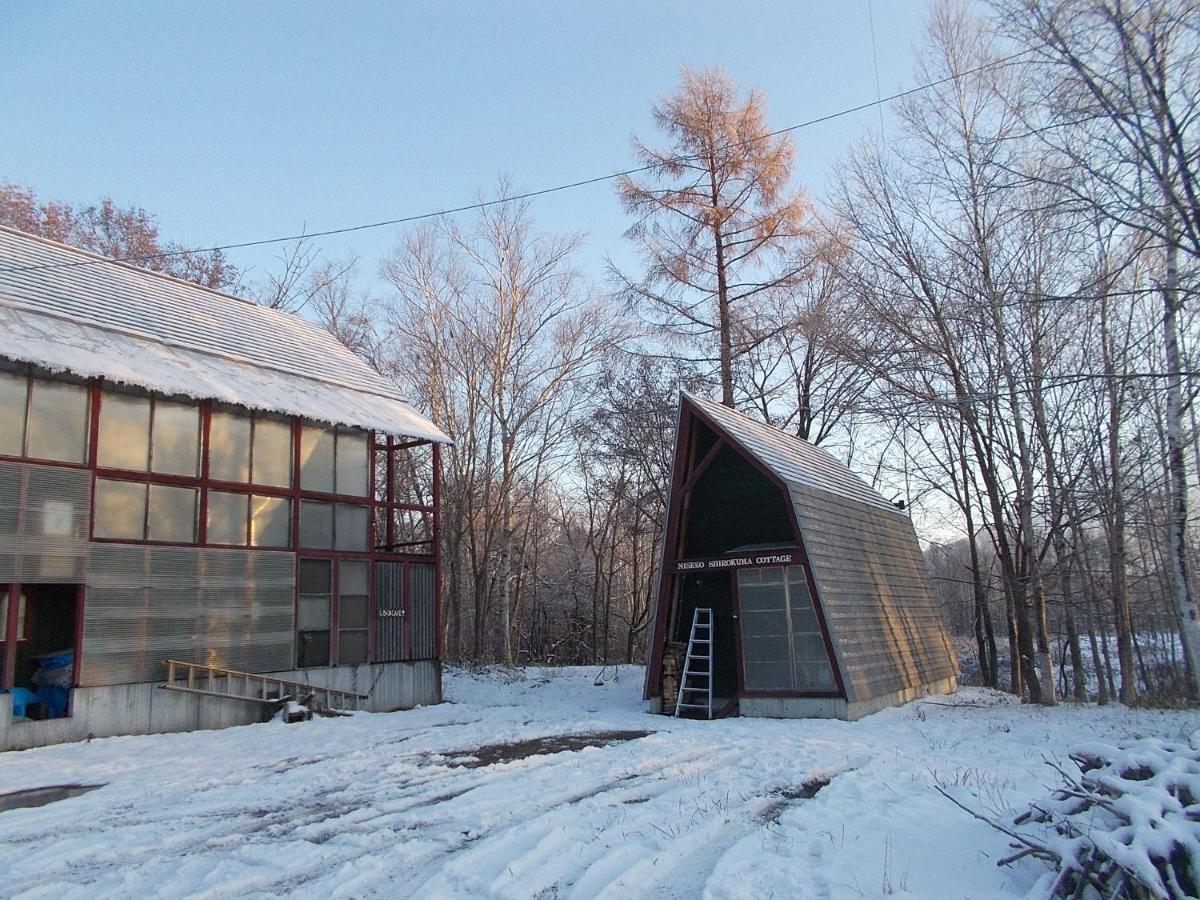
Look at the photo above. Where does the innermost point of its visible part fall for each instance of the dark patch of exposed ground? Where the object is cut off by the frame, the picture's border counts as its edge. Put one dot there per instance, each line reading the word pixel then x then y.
pixel 494 754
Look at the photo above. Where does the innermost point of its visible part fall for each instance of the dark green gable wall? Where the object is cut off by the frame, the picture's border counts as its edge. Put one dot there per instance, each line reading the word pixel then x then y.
pixel 733 504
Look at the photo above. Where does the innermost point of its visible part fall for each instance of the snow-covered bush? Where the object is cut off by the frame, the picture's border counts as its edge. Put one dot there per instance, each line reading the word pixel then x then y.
pixel 1124 824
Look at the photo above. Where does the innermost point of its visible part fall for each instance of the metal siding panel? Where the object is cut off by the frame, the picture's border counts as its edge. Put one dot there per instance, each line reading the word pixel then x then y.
pixel 231 608
pixel 33 500
pixel 389 598
pixel 421 611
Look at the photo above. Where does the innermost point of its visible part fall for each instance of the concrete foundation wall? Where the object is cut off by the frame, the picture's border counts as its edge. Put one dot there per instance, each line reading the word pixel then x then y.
pixel 148 709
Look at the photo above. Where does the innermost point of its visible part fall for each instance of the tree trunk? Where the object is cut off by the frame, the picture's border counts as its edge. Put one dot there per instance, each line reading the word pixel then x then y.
pixel 1185 603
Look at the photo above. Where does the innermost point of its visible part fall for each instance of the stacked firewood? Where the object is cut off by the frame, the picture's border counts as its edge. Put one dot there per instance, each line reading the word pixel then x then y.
pixel 672 669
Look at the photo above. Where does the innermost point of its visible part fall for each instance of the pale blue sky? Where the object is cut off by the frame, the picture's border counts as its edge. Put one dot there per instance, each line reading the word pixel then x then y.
pixel 239 121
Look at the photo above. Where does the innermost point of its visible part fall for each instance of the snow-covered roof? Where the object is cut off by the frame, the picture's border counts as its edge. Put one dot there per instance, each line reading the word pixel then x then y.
pixel 69 310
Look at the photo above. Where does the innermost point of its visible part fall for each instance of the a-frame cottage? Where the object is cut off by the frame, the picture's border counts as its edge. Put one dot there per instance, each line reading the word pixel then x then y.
pixel 788 587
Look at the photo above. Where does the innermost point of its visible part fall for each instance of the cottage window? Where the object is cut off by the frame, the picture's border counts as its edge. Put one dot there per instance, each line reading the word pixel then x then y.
pixel 176 440
pixel 782 645
pixel 272 464
pixel 352 612
pixel 334 461
pixel 124 432
pixel 351 524
pixel 316 459
pixel 315 582
pixel 58 421
pixel 14 395
pixel 120 510
pixel 316 525
pixel 227 517
pixel 270 521
pixel 229 447
pixel 172 514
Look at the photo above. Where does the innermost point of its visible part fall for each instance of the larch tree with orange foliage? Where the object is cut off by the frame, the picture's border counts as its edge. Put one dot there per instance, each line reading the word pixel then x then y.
pixel 717 221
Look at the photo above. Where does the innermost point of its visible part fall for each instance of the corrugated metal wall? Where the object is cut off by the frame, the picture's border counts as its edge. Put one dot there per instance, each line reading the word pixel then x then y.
pixel 389 623
pixel 422 622
pixel 44 523
pixel 232 608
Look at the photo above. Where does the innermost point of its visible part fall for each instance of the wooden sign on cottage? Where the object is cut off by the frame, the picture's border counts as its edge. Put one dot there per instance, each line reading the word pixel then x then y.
pixel 811 582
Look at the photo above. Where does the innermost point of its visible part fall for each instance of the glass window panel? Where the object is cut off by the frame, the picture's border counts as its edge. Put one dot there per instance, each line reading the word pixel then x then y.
pixel 124 432
pixel 272 452
pixel 768 676
pixel 314 576
pixel 229 447
pixel 58 421
pixel 809 647
pixel 120 510
pixel 176 444
pixel 316 459
pixel 14 388
pixel 313 612
pixel 352 524
pixel 227 518
pixel 270 521
pixel 352 462
pixel 815 675
pixel 312 649
pixel 768 647
pixel 352 612
pixel 316 525
pixel 172 514
pixel 352 648
pixel 352 577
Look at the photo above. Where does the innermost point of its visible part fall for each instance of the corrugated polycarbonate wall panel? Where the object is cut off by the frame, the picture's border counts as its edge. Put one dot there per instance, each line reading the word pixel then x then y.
pixel 231 608
pixel 44 513
pixel 422 601
pixel 389 623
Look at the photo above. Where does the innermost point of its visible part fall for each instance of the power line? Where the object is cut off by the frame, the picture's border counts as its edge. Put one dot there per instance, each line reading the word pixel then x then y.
pixel 484 204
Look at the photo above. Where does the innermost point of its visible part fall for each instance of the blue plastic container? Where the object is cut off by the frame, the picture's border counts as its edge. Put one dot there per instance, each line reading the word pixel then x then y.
pixel 21 698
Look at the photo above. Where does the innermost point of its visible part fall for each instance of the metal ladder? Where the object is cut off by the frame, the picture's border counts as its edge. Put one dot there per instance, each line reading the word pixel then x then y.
pixel 701 639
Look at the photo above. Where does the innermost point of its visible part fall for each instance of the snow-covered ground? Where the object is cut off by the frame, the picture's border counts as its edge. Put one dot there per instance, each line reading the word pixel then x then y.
pixel 465 800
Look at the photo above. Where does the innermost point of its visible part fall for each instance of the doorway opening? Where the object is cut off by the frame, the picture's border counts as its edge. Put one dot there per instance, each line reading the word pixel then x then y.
pixel 713 590
pixel 39 650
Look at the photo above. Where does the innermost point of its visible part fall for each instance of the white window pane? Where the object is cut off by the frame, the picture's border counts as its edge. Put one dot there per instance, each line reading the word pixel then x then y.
pixel 172 514
pixel 312 612
pixel 120 510
pixel 229 447
pixel 124 432
pixel 58 421
pixel 316 525
pixel 352 577
pixel 272 453
pixel 176 445
pixel 227 515
pixel 270 521
pixel 316 459
pixel 14 388
pixel 352 463
pixel 351 527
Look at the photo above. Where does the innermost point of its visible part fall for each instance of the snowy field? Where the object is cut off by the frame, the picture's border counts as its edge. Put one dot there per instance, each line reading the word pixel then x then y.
pixel 541 787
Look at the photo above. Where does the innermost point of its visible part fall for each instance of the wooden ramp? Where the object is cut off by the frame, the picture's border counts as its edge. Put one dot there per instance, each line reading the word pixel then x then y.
pixel 229 684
